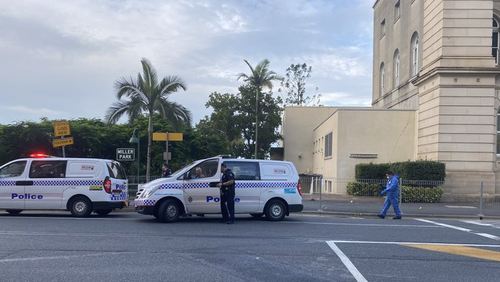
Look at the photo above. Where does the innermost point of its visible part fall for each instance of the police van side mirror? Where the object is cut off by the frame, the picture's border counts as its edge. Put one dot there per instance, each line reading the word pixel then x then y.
pixel 186 175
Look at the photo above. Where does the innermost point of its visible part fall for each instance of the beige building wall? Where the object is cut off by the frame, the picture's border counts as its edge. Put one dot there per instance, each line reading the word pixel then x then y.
pixel 362 136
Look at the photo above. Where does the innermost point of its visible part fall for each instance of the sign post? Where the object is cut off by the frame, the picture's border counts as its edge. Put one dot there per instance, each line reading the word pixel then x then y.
pixel 61 129
pixel 167 137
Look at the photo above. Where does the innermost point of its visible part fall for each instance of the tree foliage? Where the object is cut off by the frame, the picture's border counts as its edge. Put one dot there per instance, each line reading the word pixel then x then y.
pixel 231 122
pixel 294 85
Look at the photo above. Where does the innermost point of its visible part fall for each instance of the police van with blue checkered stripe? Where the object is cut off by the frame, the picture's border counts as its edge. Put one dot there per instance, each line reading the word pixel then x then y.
pixel 79 185
pixel 263 187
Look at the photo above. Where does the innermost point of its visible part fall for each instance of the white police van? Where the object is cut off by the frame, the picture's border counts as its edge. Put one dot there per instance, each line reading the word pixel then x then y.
pixel 79 185
pixel 263 187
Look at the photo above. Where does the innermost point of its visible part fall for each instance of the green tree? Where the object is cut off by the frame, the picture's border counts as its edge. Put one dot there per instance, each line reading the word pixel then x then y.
pixel 294 85
pixel 259 78
pixel 231 122
pixel 148 95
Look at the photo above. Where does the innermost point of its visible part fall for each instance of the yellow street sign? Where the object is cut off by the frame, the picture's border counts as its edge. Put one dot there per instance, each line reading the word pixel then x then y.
pixel 61 128
pixel 171 136
pixel 62 142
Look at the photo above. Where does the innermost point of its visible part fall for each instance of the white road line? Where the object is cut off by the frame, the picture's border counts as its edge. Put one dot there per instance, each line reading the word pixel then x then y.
pixel 357 224
pixel 57 257
pixel 347 262
pixel 412 243
pixel 489 236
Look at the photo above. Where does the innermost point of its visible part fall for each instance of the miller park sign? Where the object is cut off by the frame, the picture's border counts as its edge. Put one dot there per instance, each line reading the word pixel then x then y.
pixel 125 154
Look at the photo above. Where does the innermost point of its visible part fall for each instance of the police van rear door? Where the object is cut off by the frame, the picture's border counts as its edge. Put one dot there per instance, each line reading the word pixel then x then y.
pixel 119 182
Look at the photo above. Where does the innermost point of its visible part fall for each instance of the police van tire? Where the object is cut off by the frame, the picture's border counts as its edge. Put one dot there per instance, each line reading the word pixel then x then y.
pixel 275 210
pixel 81 207
pixel 14 212
pixel 103 212
pixel 257 215
pixel 169 211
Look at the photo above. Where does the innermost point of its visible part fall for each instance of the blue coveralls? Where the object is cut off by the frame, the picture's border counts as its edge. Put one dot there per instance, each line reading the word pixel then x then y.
pixel 392 191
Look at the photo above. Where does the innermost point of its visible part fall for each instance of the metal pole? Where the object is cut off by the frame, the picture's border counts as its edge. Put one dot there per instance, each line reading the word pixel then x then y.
pixel 166 149
pixel 320 198
pixel 138 160
pixel 400 192
pixel 481 202
pixel 256 121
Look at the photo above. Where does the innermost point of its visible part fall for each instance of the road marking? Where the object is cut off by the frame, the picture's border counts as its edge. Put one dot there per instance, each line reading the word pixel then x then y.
pixel 461 207
pixel 481 223
pixel 347 262
pixel 57 257
pixel 460 250
pixel 356 224
pixel 413 243
pixel 486 235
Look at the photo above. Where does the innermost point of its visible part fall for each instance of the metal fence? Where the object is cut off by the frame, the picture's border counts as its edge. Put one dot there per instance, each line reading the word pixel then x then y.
pixel 466 198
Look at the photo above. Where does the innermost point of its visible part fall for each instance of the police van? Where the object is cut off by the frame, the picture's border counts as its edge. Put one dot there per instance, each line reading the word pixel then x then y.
pixel 79 185
pixel 263 187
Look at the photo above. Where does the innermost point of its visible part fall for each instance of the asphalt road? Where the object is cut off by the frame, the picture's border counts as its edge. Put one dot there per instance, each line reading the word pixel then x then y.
pixel 52 246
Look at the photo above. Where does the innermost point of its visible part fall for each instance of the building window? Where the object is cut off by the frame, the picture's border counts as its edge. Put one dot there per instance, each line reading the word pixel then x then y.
pixel 498 133
pixel 414 54
pixel 328 145
pixel 495 40
pixel 382 79
pixel 396 68
pixel 397 12
pixel 382 29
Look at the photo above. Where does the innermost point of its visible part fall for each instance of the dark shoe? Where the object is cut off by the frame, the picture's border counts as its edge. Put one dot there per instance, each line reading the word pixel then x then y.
pixel 381 216
pixel 230 222
pixel 223 220
pixel 397 217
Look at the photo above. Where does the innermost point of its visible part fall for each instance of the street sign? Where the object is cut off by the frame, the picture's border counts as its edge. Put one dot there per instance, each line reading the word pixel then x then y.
pixel 61 128
pixel 125 154
pixel 62 142
pixel 165 156
pixel 162 136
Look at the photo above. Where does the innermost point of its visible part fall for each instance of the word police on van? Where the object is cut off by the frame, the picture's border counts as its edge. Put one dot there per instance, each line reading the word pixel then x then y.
pixel 79 185
pixel 263 187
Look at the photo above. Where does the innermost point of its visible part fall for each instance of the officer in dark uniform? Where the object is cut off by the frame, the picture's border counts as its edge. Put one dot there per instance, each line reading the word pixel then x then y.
pixel 227 195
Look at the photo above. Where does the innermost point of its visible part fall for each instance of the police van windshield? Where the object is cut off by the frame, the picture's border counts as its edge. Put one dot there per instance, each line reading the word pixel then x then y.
pixel 13 169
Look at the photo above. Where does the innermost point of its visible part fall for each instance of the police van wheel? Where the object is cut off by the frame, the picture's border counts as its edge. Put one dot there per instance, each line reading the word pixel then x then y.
pixel 169 211
pixel 103 212
pixel 14 212
pixel 257 215
pixel 275 210
pixel 81 207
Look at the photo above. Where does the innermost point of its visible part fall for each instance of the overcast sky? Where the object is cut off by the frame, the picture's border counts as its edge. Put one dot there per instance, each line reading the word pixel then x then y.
pixel 60 58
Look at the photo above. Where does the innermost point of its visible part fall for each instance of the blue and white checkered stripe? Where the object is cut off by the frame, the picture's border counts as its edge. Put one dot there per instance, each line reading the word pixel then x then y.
pixel 66 182
pixel 246 184
pixel 145 202
pixel 7 183
pixel 122 196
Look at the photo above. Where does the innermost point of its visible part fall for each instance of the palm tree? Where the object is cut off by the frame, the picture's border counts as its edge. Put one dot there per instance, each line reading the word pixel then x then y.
pixel 259 77
pixel 148 95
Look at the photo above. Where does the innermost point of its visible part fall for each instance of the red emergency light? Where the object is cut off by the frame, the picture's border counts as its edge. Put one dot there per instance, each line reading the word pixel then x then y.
pixel 38 155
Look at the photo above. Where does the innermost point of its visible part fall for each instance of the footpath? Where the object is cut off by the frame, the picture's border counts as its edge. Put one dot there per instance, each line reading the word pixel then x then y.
pixel 344 205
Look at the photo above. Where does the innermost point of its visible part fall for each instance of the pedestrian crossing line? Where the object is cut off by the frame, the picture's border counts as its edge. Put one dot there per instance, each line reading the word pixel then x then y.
pixel 460 250
pixel 486 235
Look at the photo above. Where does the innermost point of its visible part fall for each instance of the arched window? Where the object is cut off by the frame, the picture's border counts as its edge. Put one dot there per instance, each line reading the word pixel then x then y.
pixel 494 40
pixel 382 79
pixel 396 68
pixel 414 54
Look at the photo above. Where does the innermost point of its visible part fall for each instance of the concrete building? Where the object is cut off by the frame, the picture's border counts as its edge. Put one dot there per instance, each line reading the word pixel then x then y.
pixel 435 97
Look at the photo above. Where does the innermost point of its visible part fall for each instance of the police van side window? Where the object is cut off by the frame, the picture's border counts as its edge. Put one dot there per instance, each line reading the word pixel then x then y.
pixel 116 170
pixel 13 169
pixel 48 169
pixel 244 170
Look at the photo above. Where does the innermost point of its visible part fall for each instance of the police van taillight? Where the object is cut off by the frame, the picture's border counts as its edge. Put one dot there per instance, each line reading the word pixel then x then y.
pixel 107 185
pixel 299 188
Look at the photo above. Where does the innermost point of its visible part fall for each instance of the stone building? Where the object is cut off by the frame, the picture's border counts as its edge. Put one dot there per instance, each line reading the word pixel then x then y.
pixel 435 84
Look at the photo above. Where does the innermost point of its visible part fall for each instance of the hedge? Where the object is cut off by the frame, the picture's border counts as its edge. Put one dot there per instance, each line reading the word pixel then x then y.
pixel 409 194
pixel 418 173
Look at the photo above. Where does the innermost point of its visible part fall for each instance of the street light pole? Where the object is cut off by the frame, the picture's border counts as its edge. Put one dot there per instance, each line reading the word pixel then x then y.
pixel 135 139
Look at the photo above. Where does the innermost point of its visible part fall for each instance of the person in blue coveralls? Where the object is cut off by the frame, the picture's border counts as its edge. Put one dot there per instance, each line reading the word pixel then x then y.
pixel 392 191
pixel 227 194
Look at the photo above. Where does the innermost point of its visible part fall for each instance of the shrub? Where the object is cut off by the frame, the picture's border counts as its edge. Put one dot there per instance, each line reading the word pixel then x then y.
pixel 409 194
pixel 371 171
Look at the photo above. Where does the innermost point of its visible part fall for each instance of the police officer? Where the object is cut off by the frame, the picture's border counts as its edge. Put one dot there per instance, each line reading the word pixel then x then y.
pixel 227 195
pixel 166 171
